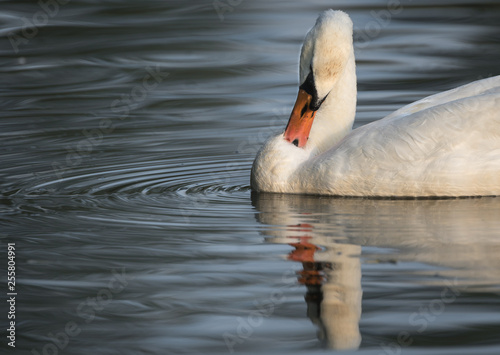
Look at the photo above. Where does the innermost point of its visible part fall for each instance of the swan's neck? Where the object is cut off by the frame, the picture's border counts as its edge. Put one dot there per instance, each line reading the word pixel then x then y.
pixel 278 161
pixel 334 119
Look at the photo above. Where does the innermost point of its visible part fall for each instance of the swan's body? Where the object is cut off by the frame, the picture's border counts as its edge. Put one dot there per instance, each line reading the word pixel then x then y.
pixel 447 144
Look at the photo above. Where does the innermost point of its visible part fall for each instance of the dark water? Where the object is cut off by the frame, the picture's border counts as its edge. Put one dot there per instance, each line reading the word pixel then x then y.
pixel 127 134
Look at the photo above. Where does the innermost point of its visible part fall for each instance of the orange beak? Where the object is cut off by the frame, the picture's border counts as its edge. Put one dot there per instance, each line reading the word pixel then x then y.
pixel 301 120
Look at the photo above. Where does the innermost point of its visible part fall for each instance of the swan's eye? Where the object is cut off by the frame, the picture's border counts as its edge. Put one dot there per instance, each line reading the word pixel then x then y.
pixel 320 102
pixel 295 142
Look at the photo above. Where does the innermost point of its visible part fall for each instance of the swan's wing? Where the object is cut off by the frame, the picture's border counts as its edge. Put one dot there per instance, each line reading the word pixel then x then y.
pixel 475 88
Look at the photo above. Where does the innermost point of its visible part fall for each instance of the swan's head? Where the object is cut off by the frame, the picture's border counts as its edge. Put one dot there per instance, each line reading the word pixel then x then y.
pixel 325 53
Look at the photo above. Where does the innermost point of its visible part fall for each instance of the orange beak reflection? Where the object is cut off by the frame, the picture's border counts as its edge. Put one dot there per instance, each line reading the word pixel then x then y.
pixel 301 120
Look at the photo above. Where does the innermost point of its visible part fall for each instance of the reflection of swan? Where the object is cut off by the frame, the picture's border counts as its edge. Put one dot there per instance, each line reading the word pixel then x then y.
pixel 333 279
pixel 444 145
pixel 327 234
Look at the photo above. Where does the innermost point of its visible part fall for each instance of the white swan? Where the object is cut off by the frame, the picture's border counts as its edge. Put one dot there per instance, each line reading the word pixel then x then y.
pixel 447 144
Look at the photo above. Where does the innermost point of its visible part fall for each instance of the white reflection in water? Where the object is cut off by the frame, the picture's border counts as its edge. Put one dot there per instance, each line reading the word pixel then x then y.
pixel 328 234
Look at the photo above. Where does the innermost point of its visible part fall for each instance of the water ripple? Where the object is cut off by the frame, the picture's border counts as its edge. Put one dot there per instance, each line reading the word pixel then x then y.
pixel 154 177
